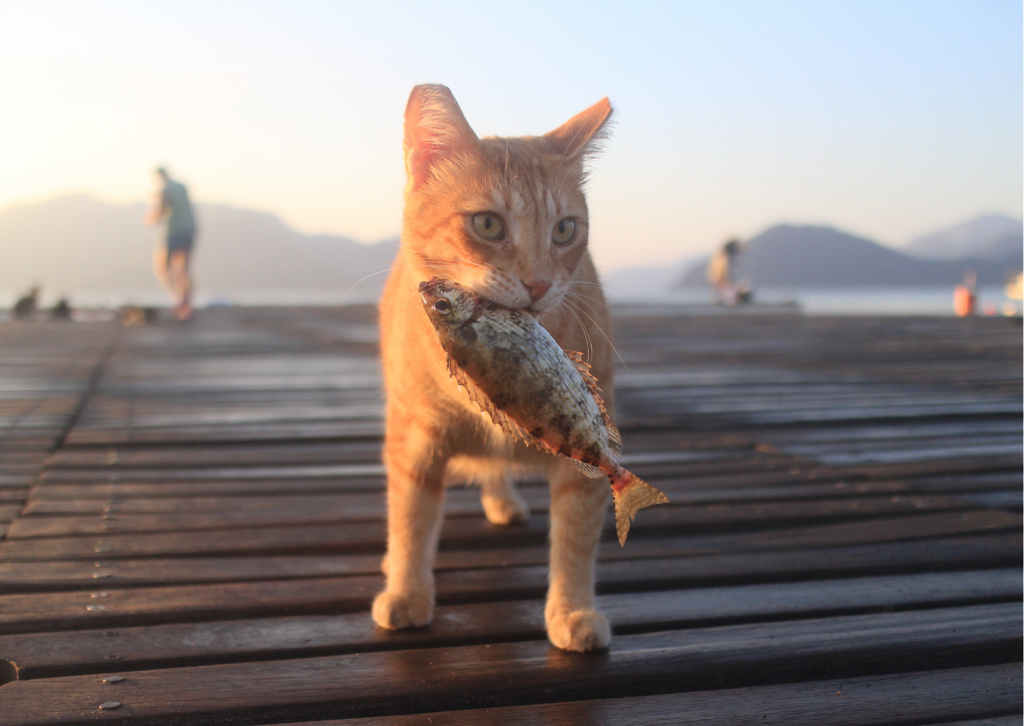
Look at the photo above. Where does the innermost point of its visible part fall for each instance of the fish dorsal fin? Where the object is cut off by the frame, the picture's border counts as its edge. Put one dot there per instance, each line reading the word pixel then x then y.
pixel 614 437
pixel 497 416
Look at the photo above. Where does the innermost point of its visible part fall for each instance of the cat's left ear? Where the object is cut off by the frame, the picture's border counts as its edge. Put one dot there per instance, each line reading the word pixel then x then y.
pixel 584 132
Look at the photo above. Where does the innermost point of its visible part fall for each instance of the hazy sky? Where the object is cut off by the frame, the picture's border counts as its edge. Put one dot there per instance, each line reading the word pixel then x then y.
pixel 887 119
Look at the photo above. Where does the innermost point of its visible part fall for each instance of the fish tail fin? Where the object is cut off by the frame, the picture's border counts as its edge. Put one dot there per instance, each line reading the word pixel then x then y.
pixel 631 494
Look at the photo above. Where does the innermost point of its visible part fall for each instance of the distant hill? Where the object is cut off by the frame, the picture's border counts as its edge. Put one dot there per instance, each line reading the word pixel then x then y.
pixel 1008 250
pixel 821 257
pixel 78 243
pixel 981 238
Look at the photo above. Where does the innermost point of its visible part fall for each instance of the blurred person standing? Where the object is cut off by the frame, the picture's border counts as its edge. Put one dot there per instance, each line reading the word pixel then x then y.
pixel 171 206
pixel 720 273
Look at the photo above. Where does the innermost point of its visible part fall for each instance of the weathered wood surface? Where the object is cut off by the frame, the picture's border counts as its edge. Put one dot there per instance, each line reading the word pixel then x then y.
pixel 198 509
pixel 891 700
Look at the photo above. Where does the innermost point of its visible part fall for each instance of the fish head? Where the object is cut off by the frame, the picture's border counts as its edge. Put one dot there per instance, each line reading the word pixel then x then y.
pixel 447 304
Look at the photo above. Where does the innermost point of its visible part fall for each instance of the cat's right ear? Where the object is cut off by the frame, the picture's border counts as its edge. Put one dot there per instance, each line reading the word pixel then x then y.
pixel 583 133
pixel 436 132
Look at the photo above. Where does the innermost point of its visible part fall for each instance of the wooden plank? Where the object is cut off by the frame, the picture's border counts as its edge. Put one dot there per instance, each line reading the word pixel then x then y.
pixel 883 434
pixel 849 403
pixel 467 503
pixel 437 679
pixel 986 448
pixel 230 455
pixel 535 493
pixel 682 563
pixel 904 699
pixel 332 471
pixel 770 472
pixel 652 464
pixel 340 451
pixel 998 500
pixel 16 481
pixel 198 416
pixel 215 488
pixel 253 433
pixel 44 508
pixel 670 415
pixel 48 655
pixel 262 598
pixel 464 531
pixel 821 450
pixel 13 494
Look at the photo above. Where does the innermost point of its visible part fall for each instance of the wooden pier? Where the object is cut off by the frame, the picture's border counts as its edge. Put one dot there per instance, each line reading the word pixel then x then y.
pixel 193 521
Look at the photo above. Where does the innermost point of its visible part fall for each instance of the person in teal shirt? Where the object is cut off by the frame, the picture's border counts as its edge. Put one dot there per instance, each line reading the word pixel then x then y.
pixel 172 208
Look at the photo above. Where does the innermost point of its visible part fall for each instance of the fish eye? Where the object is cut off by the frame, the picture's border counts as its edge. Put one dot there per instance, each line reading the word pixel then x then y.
pixel 489 226
pixel 442 306
pixel 563 232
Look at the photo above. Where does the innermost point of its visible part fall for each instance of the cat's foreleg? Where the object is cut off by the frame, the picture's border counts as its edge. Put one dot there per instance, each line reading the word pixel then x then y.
pixel 415 514
pixel 578 507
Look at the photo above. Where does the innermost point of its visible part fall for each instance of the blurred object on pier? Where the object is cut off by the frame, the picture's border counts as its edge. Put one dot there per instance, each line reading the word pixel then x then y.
pixel 27 304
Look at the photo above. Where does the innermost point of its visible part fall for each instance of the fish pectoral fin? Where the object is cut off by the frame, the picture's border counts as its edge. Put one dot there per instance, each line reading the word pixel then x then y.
pixel 498 417
pixel 614 437
pixel 587 469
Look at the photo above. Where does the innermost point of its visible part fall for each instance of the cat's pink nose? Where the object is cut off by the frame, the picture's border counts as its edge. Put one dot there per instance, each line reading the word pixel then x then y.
pixel 538 289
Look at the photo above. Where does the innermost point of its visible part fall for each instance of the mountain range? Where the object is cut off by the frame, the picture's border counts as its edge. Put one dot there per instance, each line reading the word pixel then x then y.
pixel 787 256
pixel 990 236
pixel 817 257
pixel 78 243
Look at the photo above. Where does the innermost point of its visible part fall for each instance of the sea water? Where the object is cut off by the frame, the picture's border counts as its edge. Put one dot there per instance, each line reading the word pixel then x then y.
pixel 848 301
pixel 905 301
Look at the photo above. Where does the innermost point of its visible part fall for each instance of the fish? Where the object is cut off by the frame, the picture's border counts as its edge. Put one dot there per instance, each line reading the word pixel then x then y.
pixel 532 389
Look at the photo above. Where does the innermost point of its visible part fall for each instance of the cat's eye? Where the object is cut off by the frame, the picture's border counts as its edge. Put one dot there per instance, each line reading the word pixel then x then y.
pixel 442 306
pixel 563 232
pixel 489 226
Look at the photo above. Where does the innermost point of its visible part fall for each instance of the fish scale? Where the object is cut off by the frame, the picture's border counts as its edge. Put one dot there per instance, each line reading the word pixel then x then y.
pixel 534 391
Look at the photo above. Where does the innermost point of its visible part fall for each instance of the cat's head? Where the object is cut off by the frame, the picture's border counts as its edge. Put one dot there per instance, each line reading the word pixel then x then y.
pixel 505 217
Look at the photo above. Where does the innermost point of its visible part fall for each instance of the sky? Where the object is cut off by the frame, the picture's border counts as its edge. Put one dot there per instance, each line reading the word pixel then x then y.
pixel 886 119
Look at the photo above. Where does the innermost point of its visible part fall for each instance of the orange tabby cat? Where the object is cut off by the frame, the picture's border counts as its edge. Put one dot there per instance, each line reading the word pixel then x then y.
pixel 506 217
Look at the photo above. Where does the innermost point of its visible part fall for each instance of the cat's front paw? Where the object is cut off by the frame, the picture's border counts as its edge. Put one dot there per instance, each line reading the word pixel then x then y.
pixel 509 509
pixel 579 630
pixel 395 611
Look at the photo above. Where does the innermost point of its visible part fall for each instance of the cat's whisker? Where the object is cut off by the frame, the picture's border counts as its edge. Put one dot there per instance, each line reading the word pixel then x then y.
pixel 564 311
pixel 601 330
pixel 590 341
pixel 604 287
pixel 583 327
pixel 586 298
pixel 585 283
pixel 367 277
pixel 458 263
